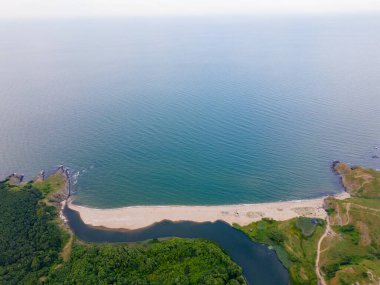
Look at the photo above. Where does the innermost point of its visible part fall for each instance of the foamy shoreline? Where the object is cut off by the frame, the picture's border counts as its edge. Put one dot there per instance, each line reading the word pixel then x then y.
pixel 135 217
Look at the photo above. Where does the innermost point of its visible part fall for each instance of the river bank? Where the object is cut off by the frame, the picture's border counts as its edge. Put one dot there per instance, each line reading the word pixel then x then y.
pixel 259 263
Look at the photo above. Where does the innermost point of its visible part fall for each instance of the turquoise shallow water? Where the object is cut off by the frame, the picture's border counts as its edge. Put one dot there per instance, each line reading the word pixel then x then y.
pixel 191 110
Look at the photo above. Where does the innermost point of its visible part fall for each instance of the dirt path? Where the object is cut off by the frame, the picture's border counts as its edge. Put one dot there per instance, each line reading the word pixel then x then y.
pixel 368 208
pixel 348 206
pixel 327 232
pixel 338 219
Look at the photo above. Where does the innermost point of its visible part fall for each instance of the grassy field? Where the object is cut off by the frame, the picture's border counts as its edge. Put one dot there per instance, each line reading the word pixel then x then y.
pixel 351 254
pixel 295 242
pixel 360 182
pixel 51 185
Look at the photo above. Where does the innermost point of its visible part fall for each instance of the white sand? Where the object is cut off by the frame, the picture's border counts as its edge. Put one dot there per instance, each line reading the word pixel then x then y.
pixel 141 216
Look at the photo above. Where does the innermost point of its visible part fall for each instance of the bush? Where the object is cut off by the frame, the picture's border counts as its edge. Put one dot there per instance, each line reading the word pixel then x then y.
pixel 276 235
pixel 330 211
pixel 351 232
pixel 347 228
pixel 331 269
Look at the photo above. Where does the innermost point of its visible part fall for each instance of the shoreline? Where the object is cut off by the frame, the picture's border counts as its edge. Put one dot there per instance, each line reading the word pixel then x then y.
pixel 137 217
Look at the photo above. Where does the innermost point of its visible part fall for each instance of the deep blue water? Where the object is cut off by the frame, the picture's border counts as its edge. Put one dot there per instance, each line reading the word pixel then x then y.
pixel 190 110
pixel 260 265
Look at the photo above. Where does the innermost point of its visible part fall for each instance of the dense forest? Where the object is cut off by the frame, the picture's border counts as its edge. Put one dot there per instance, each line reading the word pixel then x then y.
pixel 32 243
pixel 30 239
pixel 176 261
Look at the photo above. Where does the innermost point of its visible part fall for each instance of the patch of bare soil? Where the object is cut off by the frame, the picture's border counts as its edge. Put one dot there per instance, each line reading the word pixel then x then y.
pixel 365 240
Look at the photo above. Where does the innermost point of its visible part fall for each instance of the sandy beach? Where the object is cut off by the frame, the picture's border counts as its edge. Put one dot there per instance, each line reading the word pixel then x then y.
pixel 135 217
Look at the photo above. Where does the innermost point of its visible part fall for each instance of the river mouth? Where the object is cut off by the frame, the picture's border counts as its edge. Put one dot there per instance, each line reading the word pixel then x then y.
pixel 260 265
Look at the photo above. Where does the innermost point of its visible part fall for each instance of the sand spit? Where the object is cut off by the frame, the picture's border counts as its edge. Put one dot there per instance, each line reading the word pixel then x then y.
pixel 135 217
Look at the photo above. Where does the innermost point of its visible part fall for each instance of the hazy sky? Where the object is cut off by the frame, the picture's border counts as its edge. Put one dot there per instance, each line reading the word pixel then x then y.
pixel 109 8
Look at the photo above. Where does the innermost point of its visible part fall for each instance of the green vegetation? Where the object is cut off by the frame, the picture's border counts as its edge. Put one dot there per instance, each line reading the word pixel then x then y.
pixel 176 261
pixel 351 254
pixel 51 185
pixel 353 250
pixel 360 182
pixel 35 248
pixel 295 242
pixel 30 239
pixel 307 226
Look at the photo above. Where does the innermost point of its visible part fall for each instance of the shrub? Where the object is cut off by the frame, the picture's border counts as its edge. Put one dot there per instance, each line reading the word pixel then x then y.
pixel 276 235
pixel 331 269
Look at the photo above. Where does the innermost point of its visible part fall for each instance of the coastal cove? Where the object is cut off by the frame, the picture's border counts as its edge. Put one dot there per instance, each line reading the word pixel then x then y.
pixel 260 264
pixel 286 244
pixel 183 150
pixel 223 224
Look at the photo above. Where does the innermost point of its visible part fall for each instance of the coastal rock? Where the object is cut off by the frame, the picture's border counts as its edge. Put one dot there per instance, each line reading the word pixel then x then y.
pixel 15 179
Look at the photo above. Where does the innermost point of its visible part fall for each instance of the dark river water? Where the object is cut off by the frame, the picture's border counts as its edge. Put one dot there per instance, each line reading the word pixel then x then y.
pixel 260 265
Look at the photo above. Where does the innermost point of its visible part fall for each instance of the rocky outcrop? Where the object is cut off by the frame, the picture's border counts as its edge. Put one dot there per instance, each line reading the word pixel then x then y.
pixel 15 179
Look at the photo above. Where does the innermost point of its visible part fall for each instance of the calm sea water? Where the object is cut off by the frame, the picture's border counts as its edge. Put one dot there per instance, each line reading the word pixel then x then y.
pixel 190 110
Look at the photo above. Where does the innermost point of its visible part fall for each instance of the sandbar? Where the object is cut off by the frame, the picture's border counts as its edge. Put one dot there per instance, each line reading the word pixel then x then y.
pixel 135 217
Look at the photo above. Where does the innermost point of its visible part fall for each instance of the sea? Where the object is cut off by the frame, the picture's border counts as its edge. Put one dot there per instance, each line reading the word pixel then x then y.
pixel 191 110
